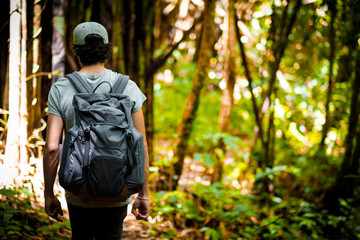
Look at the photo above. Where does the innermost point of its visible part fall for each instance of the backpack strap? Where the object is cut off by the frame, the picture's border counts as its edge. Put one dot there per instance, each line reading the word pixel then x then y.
pixel 81 85
pixel 120 84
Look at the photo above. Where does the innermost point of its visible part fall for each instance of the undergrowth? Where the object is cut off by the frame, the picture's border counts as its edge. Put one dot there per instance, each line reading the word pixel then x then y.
pixel 20 218
pixel 221 212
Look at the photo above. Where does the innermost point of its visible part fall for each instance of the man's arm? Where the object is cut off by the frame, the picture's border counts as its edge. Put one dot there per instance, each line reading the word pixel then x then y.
pixel 50 165
pixel 142 203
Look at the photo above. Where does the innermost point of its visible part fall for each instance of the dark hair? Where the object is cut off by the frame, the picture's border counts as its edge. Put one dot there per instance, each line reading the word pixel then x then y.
pixel 93 51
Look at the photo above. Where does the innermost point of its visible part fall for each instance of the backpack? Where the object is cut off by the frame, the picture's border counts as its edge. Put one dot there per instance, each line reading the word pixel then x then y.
pixel 102 151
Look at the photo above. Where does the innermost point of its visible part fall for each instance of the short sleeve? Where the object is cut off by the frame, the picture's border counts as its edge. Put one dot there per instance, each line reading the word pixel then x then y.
pixel 54 101
pixel 137 98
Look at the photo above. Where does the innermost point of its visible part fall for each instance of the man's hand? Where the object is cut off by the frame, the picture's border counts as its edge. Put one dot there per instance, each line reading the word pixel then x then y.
pixel 140 209
pixel 53 208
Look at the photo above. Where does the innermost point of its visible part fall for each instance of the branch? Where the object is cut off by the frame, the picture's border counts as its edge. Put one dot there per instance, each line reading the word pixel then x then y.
pixel 159 62
pixel 249 78
pixel 283 43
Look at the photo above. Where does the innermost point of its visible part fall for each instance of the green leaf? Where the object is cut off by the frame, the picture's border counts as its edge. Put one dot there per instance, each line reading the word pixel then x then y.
pixel 67 224
pixel 152 232
pixel 10 193
pixel 26 191
pixel 28 228
pixel 57 226
pixel 198 157
pixel 7 217
pixel 268 220
pixel 166 209
pixel 209 160
pixel 44 229
pixel 211 232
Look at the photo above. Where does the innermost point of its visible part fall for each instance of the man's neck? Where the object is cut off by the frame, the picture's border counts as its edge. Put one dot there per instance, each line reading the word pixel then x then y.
pixel 93 69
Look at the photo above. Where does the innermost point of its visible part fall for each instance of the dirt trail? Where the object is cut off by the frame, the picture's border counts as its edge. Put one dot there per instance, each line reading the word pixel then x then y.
pixel 134 229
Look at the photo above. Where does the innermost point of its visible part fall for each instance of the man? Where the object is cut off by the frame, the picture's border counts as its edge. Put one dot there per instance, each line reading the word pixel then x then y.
pixel 96 218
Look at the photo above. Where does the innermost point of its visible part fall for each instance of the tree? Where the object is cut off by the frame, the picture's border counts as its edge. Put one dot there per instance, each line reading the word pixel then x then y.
pixel 16 152
pixel 207 40
pixel 4 51
pixel 229 79
pixel 45 50
pixel 331 83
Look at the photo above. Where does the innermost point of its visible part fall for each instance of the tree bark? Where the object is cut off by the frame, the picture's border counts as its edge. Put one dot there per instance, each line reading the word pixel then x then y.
pixel 228 93
pixel 74 14
pixel 23 91
pixel 58 41
pixel 249 78
pixel 4 52
pixel 29 66
pixel 331 83
pixel 45 49
pixel 350 165
pixel 278 54
pixel 16 152
pixel 128 38
pixel 192 102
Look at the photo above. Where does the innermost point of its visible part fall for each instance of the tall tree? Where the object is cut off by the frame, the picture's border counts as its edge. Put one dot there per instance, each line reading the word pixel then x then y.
pixel 46 49
pixel 245 64
pixel 16 152
pixel 192 103
pixel 32 123
pixel 230 77
pixel 4 50
pixel 285 28
pixel 140 21
pixel 331 82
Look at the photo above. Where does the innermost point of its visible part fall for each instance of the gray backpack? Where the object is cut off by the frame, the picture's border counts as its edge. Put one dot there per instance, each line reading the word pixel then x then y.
pixel 102 150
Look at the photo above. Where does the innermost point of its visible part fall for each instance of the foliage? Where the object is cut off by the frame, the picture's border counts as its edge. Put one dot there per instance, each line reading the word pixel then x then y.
pixel 280 200
pixel 21 219
pixel 222 212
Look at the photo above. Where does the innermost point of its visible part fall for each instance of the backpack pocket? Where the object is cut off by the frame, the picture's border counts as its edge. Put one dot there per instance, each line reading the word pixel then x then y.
pixel 105 175
pixel 135 179
pixel 71 176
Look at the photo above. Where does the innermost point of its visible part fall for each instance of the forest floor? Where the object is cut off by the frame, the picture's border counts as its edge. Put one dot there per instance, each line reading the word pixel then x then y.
pixel 133 229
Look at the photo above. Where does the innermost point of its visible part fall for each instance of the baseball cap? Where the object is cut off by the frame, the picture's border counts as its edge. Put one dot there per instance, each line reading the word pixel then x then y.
pixel 86 28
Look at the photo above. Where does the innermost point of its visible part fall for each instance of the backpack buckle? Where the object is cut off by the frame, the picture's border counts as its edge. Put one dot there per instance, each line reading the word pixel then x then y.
pixel 87 133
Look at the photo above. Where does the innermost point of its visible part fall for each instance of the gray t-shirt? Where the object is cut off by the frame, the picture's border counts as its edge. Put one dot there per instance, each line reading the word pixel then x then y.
pixel 62 93
pixel 60 104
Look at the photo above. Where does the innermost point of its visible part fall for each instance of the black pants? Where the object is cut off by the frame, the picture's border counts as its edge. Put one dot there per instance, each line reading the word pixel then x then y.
pixel 98 223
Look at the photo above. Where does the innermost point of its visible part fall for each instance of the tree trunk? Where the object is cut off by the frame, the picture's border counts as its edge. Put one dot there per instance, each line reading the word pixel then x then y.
pixel 107 19
pixel 45 49
pixel 117 39
pixel 249 78
pixel 327 124
pixel 147 47
pixel 278 54
pixel 4 53
pixel 128 36
pixel 29 66
pixel 58 41
pixel 23 92
pixel 350 165
pixel 16 153
pixel 228 93
pixel 192 102
pixel 74 15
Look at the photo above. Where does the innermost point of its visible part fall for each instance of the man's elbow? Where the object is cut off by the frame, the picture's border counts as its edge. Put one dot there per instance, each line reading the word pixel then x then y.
pixel 52 149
